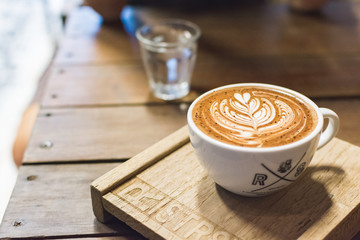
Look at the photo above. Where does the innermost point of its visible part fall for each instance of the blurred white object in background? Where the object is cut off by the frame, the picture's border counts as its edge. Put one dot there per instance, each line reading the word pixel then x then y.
pixel 29 32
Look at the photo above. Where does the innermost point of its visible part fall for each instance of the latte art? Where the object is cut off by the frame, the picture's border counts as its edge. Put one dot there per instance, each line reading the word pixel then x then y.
pixel 254 117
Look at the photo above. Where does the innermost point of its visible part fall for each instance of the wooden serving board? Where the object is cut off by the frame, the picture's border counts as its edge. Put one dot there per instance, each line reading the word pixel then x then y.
pixel 163 193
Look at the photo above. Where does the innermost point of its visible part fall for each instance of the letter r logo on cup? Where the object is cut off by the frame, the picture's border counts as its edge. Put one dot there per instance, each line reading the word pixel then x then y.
pixel 254 139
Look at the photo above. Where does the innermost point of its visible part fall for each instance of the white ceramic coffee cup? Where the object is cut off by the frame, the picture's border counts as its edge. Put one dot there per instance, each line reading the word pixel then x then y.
pixel 254 171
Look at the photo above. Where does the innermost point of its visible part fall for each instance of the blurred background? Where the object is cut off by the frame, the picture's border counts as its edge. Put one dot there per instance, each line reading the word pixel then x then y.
pixel 29 34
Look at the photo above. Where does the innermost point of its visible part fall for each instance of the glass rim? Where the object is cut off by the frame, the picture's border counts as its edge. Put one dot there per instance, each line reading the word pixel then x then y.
pixel 194 37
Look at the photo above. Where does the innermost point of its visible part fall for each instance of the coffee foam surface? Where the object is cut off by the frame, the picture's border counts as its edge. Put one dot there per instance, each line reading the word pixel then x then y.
pixel 254 117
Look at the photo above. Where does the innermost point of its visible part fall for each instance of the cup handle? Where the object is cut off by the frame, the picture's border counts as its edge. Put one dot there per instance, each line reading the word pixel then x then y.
pixel 332 127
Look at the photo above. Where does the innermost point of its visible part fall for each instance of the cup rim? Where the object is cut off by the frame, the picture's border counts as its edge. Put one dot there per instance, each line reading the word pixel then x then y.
pixel 304 140
pixel 168 21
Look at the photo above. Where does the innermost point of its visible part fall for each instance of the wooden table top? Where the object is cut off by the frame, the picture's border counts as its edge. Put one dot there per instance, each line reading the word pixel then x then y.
pixel 97 110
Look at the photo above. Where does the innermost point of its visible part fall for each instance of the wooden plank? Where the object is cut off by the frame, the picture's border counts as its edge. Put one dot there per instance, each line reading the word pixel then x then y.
pixel 314 76
pixel 270 29
pixel 127 84
pixel 264 29
pixel 100 85
pixel 143 160
pixel 53 201
pixel 184 203
pixel 316 55
pixel 75 132
pixel 92 134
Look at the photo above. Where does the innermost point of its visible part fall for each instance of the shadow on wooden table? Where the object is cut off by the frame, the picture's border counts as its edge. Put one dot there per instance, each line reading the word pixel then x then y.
pixel 287 214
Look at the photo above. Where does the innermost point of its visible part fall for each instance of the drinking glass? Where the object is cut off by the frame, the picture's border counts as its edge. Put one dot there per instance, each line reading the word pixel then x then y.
pixel 169 50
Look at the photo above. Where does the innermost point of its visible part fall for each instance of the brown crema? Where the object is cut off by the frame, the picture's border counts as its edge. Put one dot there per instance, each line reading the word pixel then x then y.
pixel 253 116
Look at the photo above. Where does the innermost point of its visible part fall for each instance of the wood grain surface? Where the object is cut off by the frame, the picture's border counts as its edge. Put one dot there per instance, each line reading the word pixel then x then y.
pixel 80 134
pixel 127 170
pixel 184 203
pixel 312 76
pixel 108 84
pixel 53 201
pixel 127 84
pixel 93 134
pixel 316 55
pixel 97 107
pixel 262 29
